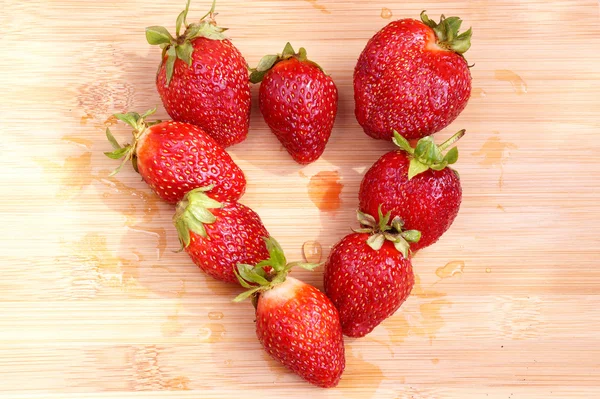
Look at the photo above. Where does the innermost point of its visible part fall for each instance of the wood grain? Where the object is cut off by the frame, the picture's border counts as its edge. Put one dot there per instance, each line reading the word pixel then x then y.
pixel 95 303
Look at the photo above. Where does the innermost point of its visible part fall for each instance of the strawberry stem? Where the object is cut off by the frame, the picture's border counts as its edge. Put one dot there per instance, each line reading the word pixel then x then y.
pixel 426 155
pixel 180 47
pixel 384 230
pixel 455 137
pixel 257 280
pixel 447 34
pixel 210 12
pixel 182 19
pixel 268 61
pixel 128 152
pixel 192 213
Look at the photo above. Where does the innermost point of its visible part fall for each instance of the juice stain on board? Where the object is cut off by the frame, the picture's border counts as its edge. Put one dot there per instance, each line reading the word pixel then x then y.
pixel 71 177
pixel 318 6
pixel 451 269
pixel 495 152
pixel 426 321
pixel 278 370
pixel 324 190
pixel 78 141
pixel 518 84
pixel 95 269
pixel 85 118
pixel 75 175
pixel 172 327
pixel 360 374
pixel 148 371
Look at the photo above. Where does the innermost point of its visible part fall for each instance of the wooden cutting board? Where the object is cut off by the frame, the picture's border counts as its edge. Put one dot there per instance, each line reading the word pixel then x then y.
pixel 94 300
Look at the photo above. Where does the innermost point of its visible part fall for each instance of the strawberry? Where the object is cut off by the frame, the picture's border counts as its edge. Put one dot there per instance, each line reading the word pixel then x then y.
pixel 298 101
pixel 415 185
pixel 368 274
pixel 295 322
pixel 218 236
pixel 412 77
pixel 203 78
pixel 176 157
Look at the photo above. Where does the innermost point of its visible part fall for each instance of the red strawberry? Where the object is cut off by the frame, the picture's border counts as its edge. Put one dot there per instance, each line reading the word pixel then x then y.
pixel 175 157
pixel 203 78
pixel 295 322
pixel 218 236
pixel 368 276
pixel 415 185
pixel 298 101
pixel 412 77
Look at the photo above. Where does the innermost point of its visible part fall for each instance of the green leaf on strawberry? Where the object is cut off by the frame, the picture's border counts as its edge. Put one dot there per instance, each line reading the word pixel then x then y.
pixel 385 230
pixel 427 155
pixel 447 33
pixel 268 61
pixel 180 47
pixel 156 35
pixel 127 152
pixel 249 276
pixel 193 212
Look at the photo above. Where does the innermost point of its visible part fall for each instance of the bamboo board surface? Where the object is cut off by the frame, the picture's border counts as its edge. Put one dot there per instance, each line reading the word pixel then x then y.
pixel 94 300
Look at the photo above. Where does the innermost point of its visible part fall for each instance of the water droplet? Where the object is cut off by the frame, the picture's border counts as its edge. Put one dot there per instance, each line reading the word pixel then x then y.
pixel 102 268
pixel 160 234
pixel 386 13
pixel 324 190
pixel 215 315
pixel 211 333
pixel 518 84
pixel 478 92
pixel 488 270
pixel 312 251
pixel 451 268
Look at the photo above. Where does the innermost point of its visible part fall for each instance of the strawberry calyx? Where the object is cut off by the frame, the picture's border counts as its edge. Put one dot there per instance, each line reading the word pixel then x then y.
pixel 181 46
pixel 193 212
pixel 128 151
pixel 268 273
pixel 269 61
pixel 386 230
pixel 447 33
pixel 427 155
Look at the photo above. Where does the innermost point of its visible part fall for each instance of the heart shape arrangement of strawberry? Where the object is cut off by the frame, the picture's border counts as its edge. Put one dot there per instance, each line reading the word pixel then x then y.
pixel 410 81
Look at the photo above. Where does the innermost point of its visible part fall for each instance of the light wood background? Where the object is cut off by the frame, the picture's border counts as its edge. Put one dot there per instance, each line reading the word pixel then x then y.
pixel 93 300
